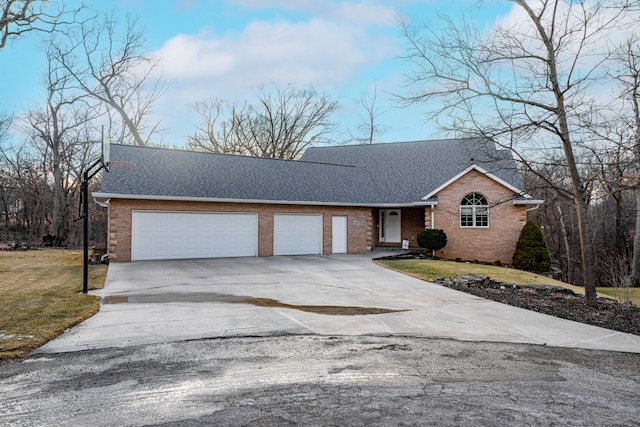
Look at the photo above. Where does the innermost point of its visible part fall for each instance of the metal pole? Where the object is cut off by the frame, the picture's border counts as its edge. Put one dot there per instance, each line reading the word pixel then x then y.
pixel 85 214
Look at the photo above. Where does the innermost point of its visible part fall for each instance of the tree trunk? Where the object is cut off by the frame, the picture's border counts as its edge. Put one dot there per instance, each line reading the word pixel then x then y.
pixel 635 273
pixel 567 248
pixel 619 245
pixel 578 186
pixel 125 117
pixel 58 201
pixel 635 103
pixel 587 254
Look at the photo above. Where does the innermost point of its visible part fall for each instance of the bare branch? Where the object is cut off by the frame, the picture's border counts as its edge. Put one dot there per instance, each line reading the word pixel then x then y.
pixel 24 16
pixel 107 63
pixel 282 124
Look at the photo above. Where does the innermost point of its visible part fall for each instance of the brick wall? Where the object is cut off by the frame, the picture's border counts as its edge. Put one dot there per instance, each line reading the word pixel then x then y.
pixel 492 244
pixel 359 222
pixel 412 221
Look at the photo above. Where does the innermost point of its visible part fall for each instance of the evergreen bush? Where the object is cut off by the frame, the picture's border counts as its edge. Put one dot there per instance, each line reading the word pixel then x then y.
pixel 531 252
pixel 433 239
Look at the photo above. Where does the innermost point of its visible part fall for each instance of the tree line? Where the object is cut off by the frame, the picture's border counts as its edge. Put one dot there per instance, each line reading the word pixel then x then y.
pixel 557 82
pixel 96 75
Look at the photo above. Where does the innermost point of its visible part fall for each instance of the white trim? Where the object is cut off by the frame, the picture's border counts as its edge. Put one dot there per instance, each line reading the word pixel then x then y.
pixel 107 196
pixel 528 202
pixel 482 171
pixel 433 203
pixel 474 215
pixel 104 202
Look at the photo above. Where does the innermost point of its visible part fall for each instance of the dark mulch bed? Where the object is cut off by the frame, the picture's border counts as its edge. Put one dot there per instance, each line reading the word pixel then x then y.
pixel 559 302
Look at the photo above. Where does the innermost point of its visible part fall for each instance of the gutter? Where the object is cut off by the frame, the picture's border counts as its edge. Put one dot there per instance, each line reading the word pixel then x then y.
pixel 104 198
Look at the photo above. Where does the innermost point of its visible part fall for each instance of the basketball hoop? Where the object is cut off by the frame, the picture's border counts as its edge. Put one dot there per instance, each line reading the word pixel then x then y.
pixel 106 150
pixel 122 165
pixel 104 162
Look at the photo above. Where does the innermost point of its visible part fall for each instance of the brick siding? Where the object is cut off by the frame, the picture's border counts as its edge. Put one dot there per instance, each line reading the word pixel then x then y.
pixel 492 244
pixel 359 222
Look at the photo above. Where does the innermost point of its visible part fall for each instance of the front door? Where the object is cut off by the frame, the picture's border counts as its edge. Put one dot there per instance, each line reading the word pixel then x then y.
pixel 390 226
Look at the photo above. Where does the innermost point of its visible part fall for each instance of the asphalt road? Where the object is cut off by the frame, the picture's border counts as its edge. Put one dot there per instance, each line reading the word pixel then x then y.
pixel 328 381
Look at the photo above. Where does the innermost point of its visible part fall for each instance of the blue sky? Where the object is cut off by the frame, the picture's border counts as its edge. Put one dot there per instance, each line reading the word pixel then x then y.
pixel 225 48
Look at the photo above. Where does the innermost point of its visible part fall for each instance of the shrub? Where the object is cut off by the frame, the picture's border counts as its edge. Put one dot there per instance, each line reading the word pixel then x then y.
pixel 433 239
pixel 531 252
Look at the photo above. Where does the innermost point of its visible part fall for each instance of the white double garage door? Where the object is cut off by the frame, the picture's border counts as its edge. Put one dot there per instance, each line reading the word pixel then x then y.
pixel 180 235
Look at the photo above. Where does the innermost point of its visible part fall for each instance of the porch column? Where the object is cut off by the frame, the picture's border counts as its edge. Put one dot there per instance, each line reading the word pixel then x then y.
pixel 428 217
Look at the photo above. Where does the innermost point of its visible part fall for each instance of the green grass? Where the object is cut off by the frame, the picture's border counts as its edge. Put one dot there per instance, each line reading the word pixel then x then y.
pixel 432 269
pixel 40 294
pixel 634 294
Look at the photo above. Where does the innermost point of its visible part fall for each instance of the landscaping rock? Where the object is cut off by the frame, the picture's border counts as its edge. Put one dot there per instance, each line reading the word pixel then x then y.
pixel 550 299
pixel 469 280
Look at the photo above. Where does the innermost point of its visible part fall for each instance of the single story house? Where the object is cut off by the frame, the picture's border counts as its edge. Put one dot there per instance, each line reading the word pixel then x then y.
pixel 172 204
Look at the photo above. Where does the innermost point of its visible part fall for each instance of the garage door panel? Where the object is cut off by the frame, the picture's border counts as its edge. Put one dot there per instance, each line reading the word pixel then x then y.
pixel 177 235
pixel 297 234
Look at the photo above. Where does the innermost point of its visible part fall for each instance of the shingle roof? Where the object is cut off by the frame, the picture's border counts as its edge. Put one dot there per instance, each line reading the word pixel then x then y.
pixel 404 172
pixel 176 173
pixel 394 173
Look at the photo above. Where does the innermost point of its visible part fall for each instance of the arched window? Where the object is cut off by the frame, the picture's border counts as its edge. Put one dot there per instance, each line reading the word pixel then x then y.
pixel 474 211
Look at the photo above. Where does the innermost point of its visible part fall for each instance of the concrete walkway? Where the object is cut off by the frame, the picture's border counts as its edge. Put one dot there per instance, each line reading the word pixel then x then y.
pixel 162 301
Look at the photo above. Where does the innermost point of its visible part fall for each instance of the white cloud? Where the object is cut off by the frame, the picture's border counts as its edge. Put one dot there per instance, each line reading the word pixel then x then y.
pixel 326 54
pixel 317 52
pixel 188 57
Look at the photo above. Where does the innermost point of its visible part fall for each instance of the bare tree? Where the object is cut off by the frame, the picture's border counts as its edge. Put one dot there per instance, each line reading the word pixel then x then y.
pixel 369 129
pixel 281 124
pixel 23 16
pixel 216 133
pixel 627 73
pixel 107 62
pixel 59 132
pixel 7 182
pixel 617 273
pixel 28 185
pixel 525 86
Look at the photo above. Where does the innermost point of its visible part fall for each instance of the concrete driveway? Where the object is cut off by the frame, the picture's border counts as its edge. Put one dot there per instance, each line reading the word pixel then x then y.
pixel 162 301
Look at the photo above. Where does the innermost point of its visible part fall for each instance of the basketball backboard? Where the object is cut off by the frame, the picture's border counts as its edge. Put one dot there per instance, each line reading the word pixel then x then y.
pixel 106 145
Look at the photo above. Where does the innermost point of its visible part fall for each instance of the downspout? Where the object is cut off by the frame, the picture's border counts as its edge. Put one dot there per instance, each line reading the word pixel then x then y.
pixel 433 226
pixel 105 204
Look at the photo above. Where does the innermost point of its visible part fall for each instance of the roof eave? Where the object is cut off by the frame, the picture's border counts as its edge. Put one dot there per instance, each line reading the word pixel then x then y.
pixel 105 197
pixel 482 171
pixel 527 201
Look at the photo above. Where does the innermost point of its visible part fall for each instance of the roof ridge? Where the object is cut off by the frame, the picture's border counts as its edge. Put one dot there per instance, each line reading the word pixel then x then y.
pixel 467 138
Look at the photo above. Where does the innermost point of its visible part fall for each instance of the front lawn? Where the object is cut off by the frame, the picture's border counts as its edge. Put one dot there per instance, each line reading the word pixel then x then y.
pixel 41 297
pixel 634 294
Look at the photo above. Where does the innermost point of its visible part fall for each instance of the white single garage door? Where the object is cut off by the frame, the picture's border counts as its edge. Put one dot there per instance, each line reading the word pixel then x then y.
pixel 297 234
pixel 178 235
